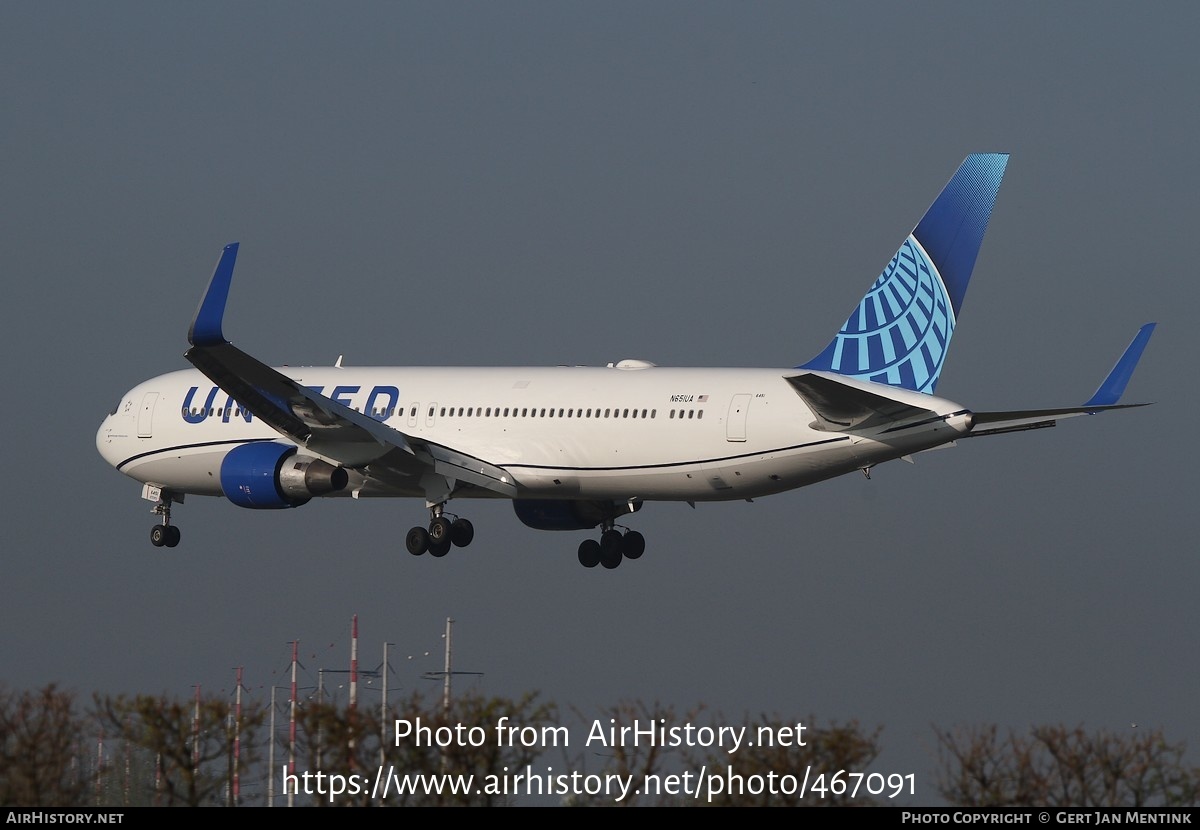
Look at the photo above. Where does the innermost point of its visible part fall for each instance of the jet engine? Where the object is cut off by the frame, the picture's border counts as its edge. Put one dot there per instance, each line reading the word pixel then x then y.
pixel 266 475
pixel 554 514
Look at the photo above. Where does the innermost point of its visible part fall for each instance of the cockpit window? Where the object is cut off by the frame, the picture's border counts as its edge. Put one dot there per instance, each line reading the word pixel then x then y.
pixel 115 408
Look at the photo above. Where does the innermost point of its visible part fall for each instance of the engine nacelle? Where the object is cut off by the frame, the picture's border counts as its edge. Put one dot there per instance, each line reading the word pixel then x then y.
pixel 266 475
pixel 558 514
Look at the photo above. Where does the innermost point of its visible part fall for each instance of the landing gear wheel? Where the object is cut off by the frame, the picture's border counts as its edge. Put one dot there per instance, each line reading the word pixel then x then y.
pixel 417 541
pixel 439 549
pixel 439 531
pixel 610 549
pixel 164 533
pixel 633 545
pixel 589 553
pixel 461 533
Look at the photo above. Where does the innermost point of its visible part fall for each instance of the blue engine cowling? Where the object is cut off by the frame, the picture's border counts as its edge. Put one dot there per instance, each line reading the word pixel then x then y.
pixel 555 514
pixel 266 475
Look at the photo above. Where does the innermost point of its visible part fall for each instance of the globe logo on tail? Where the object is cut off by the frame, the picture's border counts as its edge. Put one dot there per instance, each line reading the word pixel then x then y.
pixel 899 333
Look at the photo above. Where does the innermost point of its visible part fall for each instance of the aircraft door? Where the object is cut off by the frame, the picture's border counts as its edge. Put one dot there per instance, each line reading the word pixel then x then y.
pixel 146 415
pixel 735 423
pixel 432 416
pixel 412 414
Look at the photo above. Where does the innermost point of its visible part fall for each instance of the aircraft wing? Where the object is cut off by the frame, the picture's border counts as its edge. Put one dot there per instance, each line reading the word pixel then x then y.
pixel 323 425
pixel 1104 399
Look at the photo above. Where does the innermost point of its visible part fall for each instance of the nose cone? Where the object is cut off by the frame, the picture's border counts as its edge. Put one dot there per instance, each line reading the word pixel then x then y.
pixel 106 444
pixel 113 436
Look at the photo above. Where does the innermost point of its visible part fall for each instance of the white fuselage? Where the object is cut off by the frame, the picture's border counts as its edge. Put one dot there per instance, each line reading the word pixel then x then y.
pixel 646 433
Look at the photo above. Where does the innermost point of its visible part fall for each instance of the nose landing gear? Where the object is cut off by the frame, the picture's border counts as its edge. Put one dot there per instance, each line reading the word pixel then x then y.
pixel 165 534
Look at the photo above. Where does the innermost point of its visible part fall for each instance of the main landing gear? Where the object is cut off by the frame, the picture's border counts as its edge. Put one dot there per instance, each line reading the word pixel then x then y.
pixel 612 547
pixel 165 534
pixel 442 533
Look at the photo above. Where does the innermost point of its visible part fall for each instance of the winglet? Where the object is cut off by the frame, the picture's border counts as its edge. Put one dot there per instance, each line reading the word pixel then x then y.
pixel 1113 387
pixel 206 325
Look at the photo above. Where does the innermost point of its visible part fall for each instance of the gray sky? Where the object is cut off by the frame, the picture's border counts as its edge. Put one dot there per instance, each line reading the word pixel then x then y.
pixel 545 183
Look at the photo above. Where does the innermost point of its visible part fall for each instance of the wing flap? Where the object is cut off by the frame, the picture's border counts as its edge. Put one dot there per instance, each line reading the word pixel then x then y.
pixel 462 467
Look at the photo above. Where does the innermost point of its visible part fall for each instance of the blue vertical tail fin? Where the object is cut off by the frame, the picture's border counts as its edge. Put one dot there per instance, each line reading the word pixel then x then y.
pixel 899 334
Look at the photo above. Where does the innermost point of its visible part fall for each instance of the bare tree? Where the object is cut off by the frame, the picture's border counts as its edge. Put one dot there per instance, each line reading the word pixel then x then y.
pixel 494 761
pixel 338 740
pixel 192 744
pixel 833 759
pixel 637 760
pixel 453 745
pixel 39 766
pixel 1055 766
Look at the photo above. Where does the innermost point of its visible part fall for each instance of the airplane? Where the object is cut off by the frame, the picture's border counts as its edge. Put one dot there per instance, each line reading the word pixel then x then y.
pixel 577 448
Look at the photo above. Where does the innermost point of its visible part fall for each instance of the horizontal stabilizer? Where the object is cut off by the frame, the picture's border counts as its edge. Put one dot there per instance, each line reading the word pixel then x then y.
pixel 841 407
